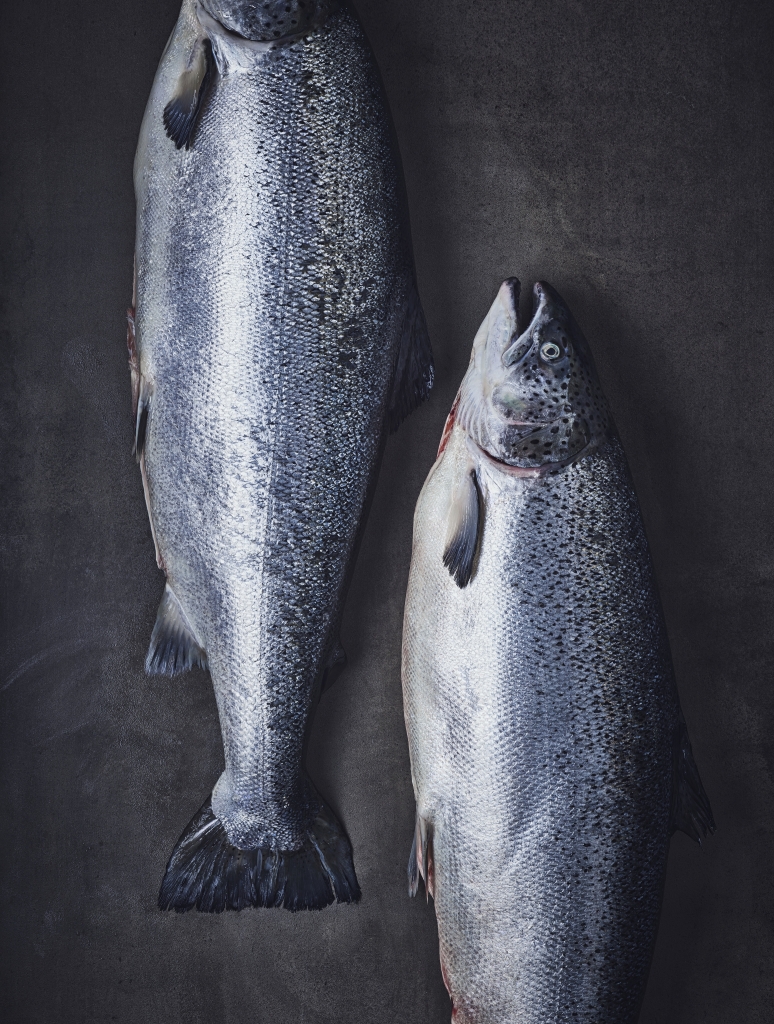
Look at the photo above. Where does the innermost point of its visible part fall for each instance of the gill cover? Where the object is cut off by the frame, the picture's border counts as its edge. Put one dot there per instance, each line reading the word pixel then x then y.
pixel 486 369
pixel 269 20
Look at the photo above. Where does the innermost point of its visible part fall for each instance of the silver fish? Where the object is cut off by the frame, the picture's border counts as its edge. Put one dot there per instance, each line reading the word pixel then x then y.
pixel 550 760
pixel 277 335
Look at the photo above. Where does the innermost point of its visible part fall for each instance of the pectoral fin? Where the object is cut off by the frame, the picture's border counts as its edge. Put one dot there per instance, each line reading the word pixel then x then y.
pixel 463 528
pixel 181 113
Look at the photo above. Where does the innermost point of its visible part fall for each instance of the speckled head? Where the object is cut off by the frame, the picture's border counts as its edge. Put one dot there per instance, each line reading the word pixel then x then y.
pixel 532 399
pixel 269 20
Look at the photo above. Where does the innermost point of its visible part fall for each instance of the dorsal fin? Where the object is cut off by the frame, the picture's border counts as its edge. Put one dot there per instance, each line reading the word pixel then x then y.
pixel 691 812
pixel 413 375
pixel 333 666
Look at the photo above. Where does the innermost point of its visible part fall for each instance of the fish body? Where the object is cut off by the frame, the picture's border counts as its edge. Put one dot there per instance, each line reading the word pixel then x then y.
pixel 277 335
pixel 550 759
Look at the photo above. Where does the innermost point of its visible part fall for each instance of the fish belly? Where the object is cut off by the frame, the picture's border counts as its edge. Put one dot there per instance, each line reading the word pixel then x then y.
pixel 272 282
pixel 540 707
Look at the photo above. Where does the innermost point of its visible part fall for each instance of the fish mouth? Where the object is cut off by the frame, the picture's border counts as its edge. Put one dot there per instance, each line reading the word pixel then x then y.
pixel 531 471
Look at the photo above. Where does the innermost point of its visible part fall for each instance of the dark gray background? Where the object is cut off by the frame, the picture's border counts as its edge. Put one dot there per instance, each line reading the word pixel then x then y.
pixel 623 151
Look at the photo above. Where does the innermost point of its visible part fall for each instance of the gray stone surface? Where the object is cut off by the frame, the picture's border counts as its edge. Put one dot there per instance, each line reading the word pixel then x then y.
pixel 621 151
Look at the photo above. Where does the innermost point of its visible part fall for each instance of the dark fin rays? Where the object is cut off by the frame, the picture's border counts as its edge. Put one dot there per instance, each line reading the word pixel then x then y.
pixel 463 529
pixel 421 858
pixel 182 111
pixel 173 647
pixel 427 866
pixel 141 418
pixel 413 868
pixel 690 812
pixel 335 854
pixel 414 372
pixel 206 872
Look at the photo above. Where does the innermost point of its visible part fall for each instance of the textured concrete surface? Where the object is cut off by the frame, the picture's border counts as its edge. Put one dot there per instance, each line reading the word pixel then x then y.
pixel 621 151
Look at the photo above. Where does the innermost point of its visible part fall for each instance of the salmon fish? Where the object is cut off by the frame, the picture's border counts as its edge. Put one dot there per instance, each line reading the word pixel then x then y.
pixel 277 336
pixel 549 756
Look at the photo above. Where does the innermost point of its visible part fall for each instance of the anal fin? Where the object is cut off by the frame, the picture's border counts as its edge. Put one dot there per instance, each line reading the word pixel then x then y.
pixel 173 647
pixel 463 528
pixel 182 111
pixel 413 376
pixel 691 812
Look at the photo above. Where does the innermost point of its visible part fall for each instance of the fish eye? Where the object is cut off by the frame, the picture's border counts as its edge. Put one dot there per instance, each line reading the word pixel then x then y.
pixel 550 351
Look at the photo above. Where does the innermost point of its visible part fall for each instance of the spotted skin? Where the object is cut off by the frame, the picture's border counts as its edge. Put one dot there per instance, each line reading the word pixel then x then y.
pixel 540 702
pixel 533 399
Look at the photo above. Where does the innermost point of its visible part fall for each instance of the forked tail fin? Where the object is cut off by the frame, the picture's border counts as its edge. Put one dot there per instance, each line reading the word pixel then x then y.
pixel 691 811
pixel 207 872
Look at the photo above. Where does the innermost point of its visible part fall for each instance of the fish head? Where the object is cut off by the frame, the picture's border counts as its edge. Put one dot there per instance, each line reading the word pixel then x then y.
pixel 532 399
pixel 268 20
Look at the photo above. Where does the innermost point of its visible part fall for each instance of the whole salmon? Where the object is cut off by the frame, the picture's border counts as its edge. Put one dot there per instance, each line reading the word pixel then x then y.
pixel 277 335
pixel 550 760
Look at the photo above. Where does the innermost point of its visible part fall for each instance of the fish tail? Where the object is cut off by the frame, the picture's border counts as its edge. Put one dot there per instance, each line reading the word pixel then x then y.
pixel 207 872
pixel 691 811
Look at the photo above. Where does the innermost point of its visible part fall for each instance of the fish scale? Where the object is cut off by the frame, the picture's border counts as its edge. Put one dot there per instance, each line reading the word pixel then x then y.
pixel 540 701
pixel 278 335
